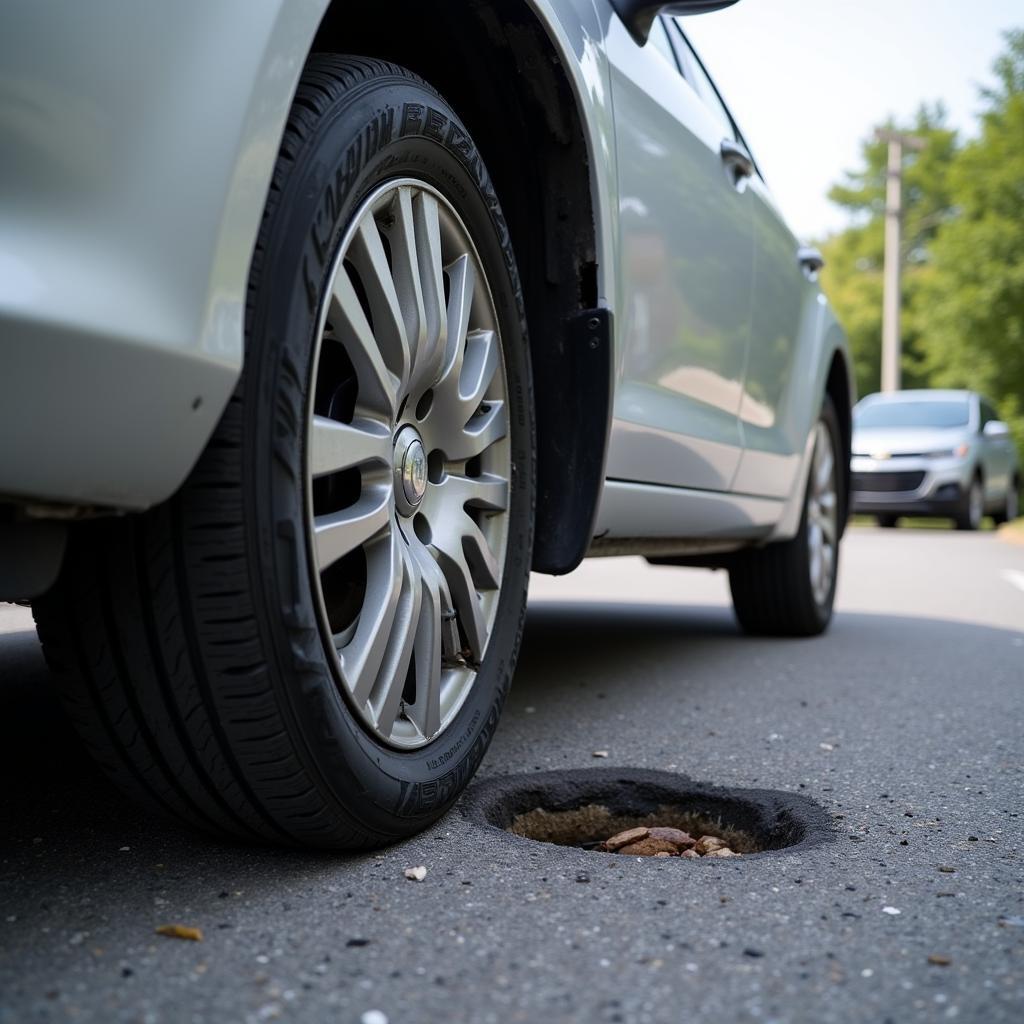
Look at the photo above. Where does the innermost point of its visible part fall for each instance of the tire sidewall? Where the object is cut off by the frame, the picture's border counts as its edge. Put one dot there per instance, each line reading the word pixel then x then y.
pixel 383 129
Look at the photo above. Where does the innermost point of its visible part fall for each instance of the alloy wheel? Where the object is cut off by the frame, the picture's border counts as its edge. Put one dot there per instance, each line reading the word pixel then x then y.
pixel 408 464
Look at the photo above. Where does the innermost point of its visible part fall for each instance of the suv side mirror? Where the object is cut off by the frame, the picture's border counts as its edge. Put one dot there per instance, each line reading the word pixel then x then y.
pixel 996 430
pixel 638 15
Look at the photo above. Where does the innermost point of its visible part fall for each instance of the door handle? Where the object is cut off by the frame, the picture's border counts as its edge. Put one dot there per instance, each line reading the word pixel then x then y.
pixel 811 260
pixel 737 161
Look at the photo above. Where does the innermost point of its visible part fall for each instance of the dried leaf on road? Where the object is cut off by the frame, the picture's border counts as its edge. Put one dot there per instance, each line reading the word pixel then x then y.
pixel 180 931
pixel 939 960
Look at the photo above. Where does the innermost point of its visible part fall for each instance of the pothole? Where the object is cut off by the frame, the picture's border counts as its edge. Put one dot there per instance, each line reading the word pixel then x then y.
pixel 645 813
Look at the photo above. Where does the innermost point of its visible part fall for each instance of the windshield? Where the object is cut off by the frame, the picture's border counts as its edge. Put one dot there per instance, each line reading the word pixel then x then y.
pixel 951 412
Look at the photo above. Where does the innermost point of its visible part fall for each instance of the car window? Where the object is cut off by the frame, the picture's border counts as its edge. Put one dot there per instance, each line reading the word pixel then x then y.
pixel 954 412
pixel 659 39
pixel 702 84
pixel 987 414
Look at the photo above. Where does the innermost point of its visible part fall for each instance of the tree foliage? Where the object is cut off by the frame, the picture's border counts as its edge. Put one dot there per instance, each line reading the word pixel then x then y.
pixel 963 250
pixel 973 314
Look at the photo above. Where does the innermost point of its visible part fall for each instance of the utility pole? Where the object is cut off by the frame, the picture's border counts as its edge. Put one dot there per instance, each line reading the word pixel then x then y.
pixel 891 345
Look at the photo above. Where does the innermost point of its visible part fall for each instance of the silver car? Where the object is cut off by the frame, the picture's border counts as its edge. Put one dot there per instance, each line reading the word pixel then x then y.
pixel 321 329
pixel 933 453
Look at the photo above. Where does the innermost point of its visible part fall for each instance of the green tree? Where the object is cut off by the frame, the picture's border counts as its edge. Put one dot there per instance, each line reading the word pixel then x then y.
pixel 972 316
pixel 854 258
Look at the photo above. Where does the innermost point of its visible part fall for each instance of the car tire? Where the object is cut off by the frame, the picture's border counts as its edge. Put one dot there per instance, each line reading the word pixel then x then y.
pixel 972 506
pixel 311 642
pixel 788 588
pixel 888 522
pixel 1011 507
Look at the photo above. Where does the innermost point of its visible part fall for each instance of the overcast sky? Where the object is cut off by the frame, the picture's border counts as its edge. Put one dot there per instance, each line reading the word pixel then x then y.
pixel 807 80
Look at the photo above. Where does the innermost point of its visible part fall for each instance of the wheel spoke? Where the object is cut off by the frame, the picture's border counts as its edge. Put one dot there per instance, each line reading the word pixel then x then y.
pixel 387 697
pixel 435 322
pixel 823 461
pixel 361 659
pixel 338 533
pixel 377 387
pixel 369 258
pixel 828 527
pixel 488 492
pixel 335 446
pixel 436 618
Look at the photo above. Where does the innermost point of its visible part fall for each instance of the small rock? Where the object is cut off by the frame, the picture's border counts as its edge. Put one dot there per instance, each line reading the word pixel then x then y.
pixel 680 839
pixel 723 852
pixel 583 877
pixel 827 746
pixel 946 870
pixel 357 943
pixel 600 753
pixel 939 960
pixel 663 853
pixel 706 844
pixel 890 910
pixel 373 1017
pixel 631 835
pixel 691 854
pixel 416 874
pixel 648 848
pixel 755 953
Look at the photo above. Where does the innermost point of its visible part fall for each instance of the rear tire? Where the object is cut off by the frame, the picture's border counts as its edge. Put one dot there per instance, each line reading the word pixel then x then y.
pixel 777 590
pixel 1011 507
pixel 210 648
pixel 972 507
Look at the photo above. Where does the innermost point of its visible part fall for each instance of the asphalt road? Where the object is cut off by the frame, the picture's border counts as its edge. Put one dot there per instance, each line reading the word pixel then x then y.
pixel 904 723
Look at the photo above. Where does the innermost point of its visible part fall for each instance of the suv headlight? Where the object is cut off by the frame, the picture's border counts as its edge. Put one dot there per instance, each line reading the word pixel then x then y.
pixel 951 453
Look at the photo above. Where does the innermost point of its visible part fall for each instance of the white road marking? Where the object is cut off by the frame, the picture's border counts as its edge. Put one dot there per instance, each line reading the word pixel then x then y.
pixel 1014 577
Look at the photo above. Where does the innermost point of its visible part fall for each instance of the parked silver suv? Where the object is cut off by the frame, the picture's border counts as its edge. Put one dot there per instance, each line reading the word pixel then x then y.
pixel 933 453
pixel 321 329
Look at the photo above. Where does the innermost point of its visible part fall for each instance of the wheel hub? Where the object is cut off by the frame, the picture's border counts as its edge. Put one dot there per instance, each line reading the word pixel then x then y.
pixel 410 467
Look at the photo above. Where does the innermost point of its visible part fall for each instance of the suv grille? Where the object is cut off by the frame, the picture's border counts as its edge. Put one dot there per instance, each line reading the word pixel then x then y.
pixel 887 483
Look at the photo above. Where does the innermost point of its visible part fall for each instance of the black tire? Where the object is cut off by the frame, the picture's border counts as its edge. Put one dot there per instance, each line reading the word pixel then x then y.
pixel 972 507
pixel 1011 507
pixel 887 522
pixel 188 637
pixel 771 587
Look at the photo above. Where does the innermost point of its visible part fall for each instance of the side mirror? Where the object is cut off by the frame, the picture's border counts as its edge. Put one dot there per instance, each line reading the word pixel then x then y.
pixel 996 430
pixel 638 15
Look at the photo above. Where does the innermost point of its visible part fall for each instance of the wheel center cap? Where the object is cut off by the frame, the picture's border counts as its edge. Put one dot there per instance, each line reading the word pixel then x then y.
pixel 410 470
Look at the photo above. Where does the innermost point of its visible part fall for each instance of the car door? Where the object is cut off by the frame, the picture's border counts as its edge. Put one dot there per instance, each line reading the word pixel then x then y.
pixel 686 273
pixel 784 324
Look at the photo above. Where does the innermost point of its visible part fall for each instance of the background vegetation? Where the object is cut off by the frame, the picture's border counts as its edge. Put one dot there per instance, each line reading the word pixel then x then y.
pixel 963 250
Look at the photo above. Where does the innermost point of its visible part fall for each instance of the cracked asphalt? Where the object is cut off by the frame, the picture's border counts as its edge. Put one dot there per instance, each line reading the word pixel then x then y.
pixel 904 723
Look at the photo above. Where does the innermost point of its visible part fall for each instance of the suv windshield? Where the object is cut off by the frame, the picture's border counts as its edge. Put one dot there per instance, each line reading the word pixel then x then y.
pixel 953 412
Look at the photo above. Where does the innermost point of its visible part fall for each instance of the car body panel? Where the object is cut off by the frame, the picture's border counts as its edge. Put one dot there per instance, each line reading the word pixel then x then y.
pixel 686 270
pixel 133 195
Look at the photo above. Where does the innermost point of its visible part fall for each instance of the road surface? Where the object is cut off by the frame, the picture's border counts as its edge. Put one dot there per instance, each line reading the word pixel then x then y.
pixel 904 723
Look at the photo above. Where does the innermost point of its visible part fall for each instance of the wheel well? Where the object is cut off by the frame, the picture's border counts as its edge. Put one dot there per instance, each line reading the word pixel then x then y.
pixel 496 65
pixel 837 387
